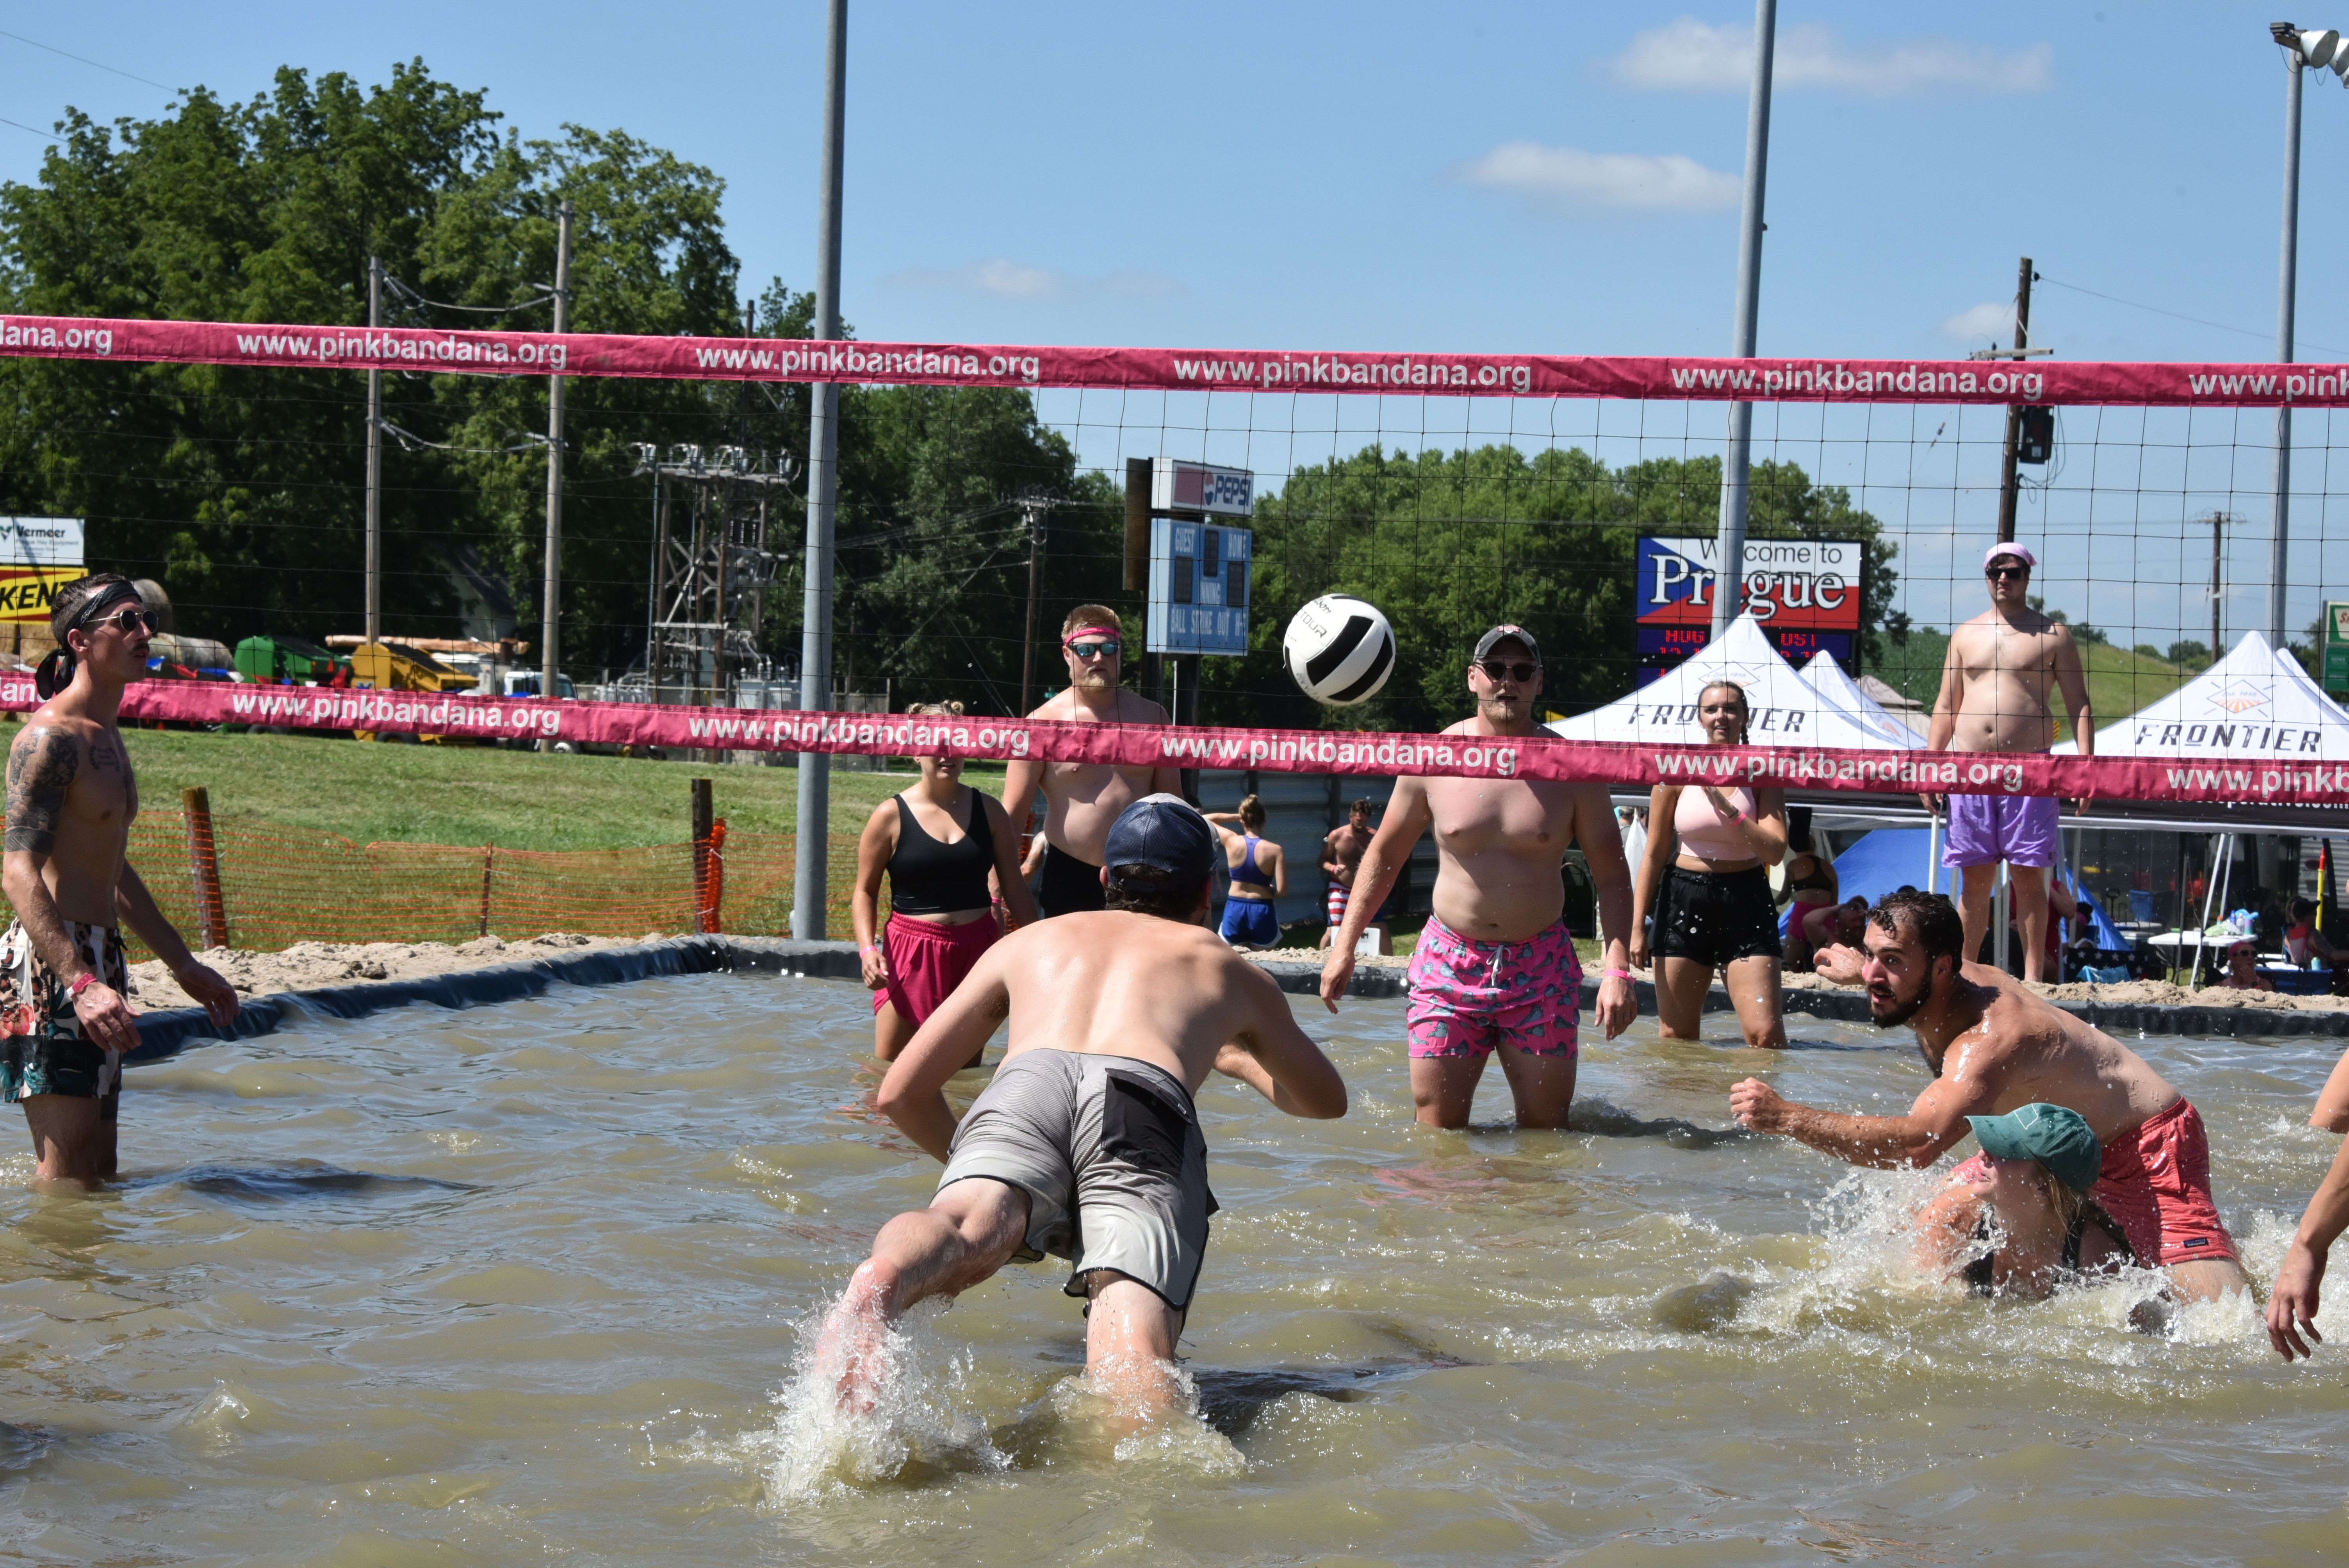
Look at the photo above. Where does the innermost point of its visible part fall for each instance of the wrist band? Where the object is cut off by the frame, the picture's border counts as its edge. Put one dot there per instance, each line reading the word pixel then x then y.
pixel 1616 974
pixel 78 984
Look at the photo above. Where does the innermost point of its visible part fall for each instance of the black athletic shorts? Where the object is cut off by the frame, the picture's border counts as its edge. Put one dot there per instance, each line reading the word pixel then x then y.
pixel 1716 917
pixel 1069 884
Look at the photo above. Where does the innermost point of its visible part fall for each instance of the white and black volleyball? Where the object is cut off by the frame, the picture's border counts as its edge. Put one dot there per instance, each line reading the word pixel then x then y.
pixel 1341 649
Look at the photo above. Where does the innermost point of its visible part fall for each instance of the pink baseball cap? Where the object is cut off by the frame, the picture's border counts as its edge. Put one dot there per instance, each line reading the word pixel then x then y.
pixel 2009 548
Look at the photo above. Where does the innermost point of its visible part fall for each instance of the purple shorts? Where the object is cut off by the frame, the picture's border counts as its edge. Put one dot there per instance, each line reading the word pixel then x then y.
pixel 1468 996
pixel 1986 829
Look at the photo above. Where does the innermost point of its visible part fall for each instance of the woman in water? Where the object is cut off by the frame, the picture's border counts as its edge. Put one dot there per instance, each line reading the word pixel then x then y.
pixel 2016 1219
pixel 1706 881
pixel 937 840
pixel 1259 874
pixel 1811 885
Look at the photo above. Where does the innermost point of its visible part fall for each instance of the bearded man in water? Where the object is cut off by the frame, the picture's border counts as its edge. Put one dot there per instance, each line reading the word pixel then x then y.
pixel 1082 798
pixel 64 1015
pixel 1995 697
pixel 1993 1047
pixel 1086 1144
pixel 1494 968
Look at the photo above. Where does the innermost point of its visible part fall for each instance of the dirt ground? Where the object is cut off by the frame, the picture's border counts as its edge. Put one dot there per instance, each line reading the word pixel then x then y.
pixel 309 964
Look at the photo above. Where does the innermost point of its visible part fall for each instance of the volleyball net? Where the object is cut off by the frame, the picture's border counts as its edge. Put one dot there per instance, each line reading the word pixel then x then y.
pixel 1575 495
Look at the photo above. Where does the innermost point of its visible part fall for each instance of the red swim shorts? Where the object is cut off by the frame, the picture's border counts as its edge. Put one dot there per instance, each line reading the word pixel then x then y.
pixel 2156 1183
pixel 927 959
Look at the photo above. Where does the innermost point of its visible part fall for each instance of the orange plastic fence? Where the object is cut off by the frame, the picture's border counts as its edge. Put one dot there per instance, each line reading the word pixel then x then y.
pixel 281 884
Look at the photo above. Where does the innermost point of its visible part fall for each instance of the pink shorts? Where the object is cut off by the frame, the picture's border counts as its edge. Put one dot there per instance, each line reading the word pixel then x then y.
pixel 926 961
pixel 1468 996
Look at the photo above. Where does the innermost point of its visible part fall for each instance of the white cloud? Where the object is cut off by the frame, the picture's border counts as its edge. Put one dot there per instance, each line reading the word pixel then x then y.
pixel 1991 321
pixel 1690 55
pixel 1573 178
pixel 1007 280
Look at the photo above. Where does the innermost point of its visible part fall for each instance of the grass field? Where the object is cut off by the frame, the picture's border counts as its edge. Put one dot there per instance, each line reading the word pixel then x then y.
pixel 475 795
pixel 2119 682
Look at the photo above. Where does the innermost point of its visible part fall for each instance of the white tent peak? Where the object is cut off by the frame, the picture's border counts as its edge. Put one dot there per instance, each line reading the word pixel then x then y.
pixel 1826 678
pixel 2254 704
pixel 1787 709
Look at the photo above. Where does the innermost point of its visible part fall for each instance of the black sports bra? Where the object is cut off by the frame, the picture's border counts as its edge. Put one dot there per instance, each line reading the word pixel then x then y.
pixel 927 877
pixel 1978 1274
pixel 1814 881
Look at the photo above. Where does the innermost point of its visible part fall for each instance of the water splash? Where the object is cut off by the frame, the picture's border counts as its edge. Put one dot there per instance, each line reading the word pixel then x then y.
pixel 917 1421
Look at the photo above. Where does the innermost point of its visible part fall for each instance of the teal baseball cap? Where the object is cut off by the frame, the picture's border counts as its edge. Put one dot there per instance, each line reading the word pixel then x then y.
pixel 2055 1135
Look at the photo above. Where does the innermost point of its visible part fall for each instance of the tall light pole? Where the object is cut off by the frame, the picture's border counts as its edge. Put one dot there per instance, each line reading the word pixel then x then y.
pixel 1729 588
pixel 550 633
pixel 813 836
pixel 2301 51
pixel 374 616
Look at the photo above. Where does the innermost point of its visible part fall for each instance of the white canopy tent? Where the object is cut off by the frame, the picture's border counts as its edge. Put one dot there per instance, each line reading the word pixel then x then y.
pixel 1787 709
pixel 2253 705
pixel 1826 678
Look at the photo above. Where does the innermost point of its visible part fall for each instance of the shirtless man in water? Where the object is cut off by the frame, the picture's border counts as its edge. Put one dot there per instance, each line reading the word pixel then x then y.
pixel 1082 798
pixel 1994 1047
pixel 1086 1144
pixel 1495 967
pixel 65 1016
pixel 1993 698
pixel 1341 859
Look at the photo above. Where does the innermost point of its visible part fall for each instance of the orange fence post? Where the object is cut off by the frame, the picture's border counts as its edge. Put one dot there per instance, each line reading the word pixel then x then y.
pixel 701 825
pixel 488 865
pixel 709 913
pixel 203 868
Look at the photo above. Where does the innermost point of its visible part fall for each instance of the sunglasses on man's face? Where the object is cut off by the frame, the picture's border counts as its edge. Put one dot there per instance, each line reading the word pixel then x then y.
pixel 1997 572
pixel 1103 650
pixel 127 622
pixel 1502 670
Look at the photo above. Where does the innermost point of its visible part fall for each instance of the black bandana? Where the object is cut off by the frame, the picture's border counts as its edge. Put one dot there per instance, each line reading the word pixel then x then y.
pixel 56 671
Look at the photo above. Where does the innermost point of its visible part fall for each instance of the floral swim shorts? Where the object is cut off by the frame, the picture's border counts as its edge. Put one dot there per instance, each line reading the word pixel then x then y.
pixel 1468 996
pixel 41 1048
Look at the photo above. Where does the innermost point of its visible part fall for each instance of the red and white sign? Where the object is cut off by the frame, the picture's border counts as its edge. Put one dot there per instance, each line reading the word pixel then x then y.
pixel 1175 369
pixel 2275 778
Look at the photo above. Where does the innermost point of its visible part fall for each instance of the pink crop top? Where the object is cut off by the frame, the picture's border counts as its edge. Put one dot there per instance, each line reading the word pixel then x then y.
pixel 1704 832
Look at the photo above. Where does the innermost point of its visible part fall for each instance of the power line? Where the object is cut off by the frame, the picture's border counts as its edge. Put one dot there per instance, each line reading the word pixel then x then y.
pixel 48 136
pixel 85 59
pixel 2175 315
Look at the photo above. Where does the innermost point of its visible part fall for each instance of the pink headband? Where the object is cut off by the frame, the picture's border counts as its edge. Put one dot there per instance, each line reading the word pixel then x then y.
pixel 1092 631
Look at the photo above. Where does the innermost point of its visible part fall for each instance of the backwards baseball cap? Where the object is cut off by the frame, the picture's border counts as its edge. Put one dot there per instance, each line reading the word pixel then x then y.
pixel 1504 632
pixel 2057 1137
pixel 2021 552
pixel 1165 833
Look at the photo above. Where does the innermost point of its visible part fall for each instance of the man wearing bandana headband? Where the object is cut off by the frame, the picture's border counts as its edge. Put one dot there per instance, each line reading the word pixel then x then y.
pixel 1082 799
pixel 65 1019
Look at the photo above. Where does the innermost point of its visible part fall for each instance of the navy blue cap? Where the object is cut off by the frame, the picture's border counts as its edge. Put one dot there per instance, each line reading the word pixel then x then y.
pixel 1166 834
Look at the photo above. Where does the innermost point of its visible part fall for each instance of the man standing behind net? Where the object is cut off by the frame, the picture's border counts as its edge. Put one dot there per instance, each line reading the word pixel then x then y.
pixel 1494 968
pixel 1341 858
pixel 65 1021
pixel 1082 799
pixel 1995 698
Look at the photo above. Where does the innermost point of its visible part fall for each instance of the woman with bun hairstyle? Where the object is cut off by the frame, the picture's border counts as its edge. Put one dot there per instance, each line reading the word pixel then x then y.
pixel 1259 874
pixel 1706 880
pixel 937 840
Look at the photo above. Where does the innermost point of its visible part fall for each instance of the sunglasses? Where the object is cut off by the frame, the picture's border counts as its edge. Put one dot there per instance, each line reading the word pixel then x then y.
pixel 1094 650
pixel 127 622
pixel 1996 571
pixel 1500 670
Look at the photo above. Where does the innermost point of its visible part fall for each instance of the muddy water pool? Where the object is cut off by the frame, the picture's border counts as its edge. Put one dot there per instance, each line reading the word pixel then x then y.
pixel 530 1281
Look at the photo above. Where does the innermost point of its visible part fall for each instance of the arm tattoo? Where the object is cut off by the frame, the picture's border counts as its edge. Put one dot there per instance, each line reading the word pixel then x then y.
pixel 40 771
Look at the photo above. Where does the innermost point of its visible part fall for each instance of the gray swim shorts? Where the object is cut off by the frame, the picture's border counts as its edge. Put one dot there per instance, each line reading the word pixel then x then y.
pixel 1109 1151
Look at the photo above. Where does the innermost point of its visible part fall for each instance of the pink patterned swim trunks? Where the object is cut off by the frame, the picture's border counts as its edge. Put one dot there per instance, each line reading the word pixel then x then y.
pixel 1468 996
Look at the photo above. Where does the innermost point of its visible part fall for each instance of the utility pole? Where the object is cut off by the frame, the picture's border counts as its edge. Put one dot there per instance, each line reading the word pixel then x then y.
pixel 375 465
pixel 2217 588
pixel 2278 538
pixel 2008 482
pixel 812 841
pixel 550 657
pixel 1729 588
pixel 1032 508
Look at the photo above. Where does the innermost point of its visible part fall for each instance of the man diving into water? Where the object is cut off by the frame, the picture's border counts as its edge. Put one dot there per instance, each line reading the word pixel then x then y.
pixel 1086 1144
pixel 65 1019
pixel 1993 1047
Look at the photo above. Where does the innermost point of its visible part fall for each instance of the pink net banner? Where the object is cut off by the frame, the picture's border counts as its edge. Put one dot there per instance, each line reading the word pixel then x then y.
pixel 1173 369
pixel 2263 775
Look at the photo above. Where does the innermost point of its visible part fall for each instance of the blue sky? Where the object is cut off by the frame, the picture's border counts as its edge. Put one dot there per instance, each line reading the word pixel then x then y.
pixel 1549 178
